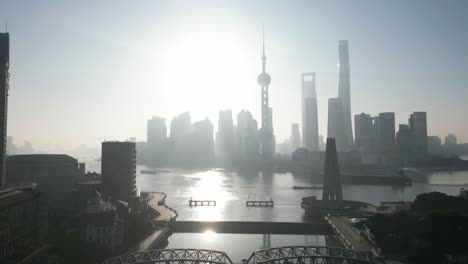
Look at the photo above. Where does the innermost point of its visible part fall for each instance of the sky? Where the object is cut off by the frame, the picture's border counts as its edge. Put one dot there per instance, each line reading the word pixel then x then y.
pixel 86 71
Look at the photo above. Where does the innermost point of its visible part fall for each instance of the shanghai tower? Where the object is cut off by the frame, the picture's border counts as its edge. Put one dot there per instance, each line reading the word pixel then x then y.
pixel 4 76
pixel 344 88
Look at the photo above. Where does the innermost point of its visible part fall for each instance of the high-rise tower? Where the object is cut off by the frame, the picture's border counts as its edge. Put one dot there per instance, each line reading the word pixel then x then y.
pixel 267 145
pixel 309 112
pixel 344 88
pixel 4 76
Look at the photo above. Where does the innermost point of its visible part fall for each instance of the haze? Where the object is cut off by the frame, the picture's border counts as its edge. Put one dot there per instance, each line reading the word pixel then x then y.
pixel 86 71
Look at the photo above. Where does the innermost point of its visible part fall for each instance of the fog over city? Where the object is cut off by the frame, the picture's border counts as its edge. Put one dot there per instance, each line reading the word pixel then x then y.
pixel 86 71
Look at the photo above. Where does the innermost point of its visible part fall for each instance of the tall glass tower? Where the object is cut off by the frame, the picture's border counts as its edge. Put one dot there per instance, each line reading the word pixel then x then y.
pixel 344 88
pixel 4 76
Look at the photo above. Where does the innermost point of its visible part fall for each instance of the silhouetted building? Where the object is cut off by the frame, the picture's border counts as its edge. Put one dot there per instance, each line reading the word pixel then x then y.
pixel 450 145
pixel 451 139
pixel 201 144
pixel 100 224
pixel 247 141
pixel 156 132
pixel 156 137
pixel 405 141
pixel 23 221
pixel 364 131
pixel 434 145
pixel 331 178
pixel 4 87
pixel 225 137
pixel 309 112
pixel 266 137
pixel 344 88
pixel 55 175
pixel 118 170
pixel 386 131
pixel 336 124
pixel 180 126
pixel 418 124
pixel 295 137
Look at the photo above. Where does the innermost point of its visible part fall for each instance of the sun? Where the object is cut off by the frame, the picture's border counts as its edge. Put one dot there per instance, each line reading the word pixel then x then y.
pixel 206 71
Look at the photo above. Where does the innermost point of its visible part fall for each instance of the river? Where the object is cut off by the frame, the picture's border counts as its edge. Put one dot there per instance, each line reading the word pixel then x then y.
pixel 230 190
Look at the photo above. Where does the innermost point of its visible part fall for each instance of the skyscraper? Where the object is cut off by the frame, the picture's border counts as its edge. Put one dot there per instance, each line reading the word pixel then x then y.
pixel 267 144
pixel 336 124
pixel 225 136
pixel 4 87
pixel 295 137
pixel 386 130
pixel 246 136
pixel 363 131
pixel 418 124
pixel 344 88
pixel 156 133
pixel 118 168
pixel 309 112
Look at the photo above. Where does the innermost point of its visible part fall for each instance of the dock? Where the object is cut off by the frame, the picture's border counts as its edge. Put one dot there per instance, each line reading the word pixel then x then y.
pixel 255 203
pixel 202 202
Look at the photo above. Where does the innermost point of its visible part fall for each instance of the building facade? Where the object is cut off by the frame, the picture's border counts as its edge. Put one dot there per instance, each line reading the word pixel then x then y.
pixel 295 137
pixel 344 88
pixel 336 124
pixel 118 170
pixel 418 124
pixel 309 112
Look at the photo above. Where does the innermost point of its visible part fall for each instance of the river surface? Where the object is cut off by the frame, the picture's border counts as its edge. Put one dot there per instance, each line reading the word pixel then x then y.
pixel 230 190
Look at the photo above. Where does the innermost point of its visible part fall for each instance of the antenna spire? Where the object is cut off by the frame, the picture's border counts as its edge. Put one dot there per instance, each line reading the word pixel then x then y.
pixel 263 40
pixel 6 25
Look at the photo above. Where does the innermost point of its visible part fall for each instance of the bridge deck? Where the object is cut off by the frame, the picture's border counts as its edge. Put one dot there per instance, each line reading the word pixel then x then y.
pixel 352 238
pixel 242 227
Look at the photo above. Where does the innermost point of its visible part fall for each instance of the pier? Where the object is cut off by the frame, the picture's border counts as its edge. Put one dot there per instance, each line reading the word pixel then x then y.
pixel 254 203
pixel 202 202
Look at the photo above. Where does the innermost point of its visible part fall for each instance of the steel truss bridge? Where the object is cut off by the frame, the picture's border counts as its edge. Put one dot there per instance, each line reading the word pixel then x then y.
pixel 279 255
pixel 310 255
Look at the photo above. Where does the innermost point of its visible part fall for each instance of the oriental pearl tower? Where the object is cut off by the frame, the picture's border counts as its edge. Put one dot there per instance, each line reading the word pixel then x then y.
pixel 267 141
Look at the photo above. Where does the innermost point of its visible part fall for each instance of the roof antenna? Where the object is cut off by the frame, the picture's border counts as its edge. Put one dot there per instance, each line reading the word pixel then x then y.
pixel 6 25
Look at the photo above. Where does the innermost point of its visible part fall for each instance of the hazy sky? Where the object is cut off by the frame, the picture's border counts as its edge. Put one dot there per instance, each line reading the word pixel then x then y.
pixel 85 71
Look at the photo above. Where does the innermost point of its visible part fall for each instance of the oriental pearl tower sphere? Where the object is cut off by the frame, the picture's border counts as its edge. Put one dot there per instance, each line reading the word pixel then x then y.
pixel 266 132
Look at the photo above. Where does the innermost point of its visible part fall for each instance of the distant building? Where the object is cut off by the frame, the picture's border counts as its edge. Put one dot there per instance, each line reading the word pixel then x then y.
pixel 336 124
pixel 118 170
pixel 418 124
pixel 451 144
pixel 309 112
pixel 434 145
pixel 225 137
pixel 295 140
pixel 364 131
pixel 201 144
pixel 344 89
pixel 450 139
pixel 156 133
pixel 180 126
pixel 55 175
pixel 405 140
pixel 246 136
pixel 386 131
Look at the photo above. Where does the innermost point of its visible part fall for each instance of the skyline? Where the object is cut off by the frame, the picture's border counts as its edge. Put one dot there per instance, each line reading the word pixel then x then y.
pixel 119 69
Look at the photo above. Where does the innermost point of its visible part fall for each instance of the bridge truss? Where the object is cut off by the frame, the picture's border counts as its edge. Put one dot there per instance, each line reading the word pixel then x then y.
pixel 310 255
pixel 172 256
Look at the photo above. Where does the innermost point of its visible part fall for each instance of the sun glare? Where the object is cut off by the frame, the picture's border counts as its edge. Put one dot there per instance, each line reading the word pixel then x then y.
pixel 200 67
pixel 209 235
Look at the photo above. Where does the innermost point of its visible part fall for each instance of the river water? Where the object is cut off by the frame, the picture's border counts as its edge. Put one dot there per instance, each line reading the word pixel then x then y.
pixel 230 190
